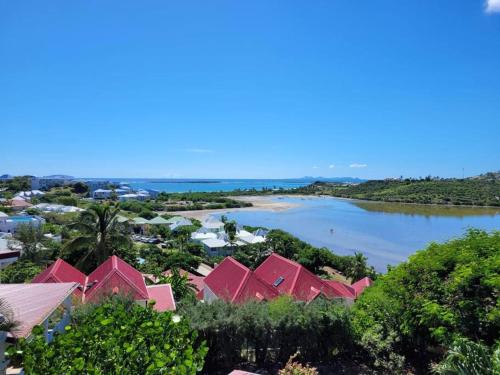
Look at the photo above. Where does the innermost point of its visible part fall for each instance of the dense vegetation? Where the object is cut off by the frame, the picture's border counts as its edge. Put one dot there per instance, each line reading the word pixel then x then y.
pixel 117 337
pixel 479 192
pixel 419 308
pixel 269 333
pixel 199 201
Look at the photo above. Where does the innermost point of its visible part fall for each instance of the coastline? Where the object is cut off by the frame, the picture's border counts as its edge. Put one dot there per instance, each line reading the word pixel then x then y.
pixel 260 203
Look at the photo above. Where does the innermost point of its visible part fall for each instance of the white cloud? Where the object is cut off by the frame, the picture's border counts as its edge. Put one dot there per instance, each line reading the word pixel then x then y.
pixel 315 167
pixel 199 150
pixel 492 6
pixel 358 165
pixel 331 166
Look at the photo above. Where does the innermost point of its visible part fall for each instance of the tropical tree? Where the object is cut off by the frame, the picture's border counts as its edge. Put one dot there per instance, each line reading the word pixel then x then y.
pixel 181 287
pixel 8 322
pixel 30 236
pixel 357 269
pixel 230 229
pixel 99 236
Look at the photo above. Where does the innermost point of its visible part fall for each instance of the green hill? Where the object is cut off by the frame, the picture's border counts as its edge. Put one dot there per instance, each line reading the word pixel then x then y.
pixel 483 190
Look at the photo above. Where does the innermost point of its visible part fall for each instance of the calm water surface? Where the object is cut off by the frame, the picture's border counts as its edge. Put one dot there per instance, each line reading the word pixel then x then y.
pixel 386 233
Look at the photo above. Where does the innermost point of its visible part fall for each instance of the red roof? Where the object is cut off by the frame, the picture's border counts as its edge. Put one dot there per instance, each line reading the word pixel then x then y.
pixel 118 277
pixel 233 282
pixel 62 272
pixel 289 277
pixel 114 276
pixel 344 290
pixel 361 285
pixel 163 296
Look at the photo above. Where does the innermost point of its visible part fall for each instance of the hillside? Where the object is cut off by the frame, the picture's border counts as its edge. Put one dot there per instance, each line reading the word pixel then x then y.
pixel 471 192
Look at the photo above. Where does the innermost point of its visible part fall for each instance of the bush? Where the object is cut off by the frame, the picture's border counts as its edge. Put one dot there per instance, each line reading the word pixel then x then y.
pixel 117 337
pixel 418 308
pixel 270 332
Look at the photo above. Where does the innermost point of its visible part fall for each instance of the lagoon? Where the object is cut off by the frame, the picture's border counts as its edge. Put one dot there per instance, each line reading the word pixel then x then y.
pixel 386 233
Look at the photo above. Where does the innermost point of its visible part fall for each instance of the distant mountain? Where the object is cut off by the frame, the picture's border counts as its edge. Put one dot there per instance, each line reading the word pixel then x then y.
pixel 60 177
pixel 350 180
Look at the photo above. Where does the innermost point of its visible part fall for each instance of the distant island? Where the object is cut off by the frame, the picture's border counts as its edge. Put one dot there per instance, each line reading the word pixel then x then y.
pixel 483 190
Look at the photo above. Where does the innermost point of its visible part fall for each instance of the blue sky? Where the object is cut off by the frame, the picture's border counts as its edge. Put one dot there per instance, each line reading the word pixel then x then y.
pixel 264 89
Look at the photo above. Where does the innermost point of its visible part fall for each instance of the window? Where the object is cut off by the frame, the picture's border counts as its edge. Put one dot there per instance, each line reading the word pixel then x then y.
pixel 278 281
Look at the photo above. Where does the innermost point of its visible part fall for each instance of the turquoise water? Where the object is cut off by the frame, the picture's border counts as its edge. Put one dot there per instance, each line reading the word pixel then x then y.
pixel 21 219
pixel 209 185
pixel 384 237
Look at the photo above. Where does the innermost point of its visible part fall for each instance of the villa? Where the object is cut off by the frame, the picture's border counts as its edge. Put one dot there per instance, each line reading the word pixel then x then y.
pixel 234 282
pixel 212 224
pixel 114 276
pixel 59 208
pixel 10 224
pixel 18 204
pixel 27 195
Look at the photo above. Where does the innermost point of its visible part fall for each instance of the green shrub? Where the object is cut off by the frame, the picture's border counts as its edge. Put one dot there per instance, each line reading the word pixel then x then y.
pixel 117 337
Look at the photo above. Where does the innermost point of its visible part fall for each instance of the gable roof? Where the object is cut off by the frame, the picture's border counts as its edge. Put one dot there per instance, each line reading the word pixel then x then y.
pixel 289 277
pixel 158 220
pixel 233 282
pixel 61 272
pixel 360 285
pixel 346 291
pixel 117 275
pixel 163 296
pixel 32 304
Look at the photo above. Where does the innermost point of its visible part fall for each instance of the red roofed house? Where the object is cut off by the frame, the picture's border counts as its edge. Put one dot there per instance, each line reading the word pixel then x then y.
pixel 233 282
pixel 289 277
pixel 361 285
pixel 114 276
pixel 62 272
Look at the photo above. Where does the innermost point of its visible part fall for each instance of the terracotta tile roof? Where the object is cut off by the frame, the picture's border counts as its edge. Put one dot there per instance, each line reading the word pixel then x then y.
pixel 289 277
pixel 233 282
pixel 361 285
pixel 163 296
pixel 32 304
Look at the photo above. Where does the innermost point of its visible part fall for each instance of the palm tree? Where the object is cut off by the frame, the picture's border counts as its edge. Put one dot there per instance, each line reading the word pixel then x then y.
pixel 7 321
pixel 101 235
pixel 230 229
pixel 357 268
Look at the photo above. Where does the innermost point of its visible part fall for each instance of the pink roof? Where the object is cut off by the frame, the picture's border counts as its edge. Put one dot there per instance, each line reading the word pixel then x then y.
pixel 61 272
pixel 118 277
pixel 233 282
pixel 289 277
pixel 32 304
pixel 163 296
pixel 19 203
pixel 361 285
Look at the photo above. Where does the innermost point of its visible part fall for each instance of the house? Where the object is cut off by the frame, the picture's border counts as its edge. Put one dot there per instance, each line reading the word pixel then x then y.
pixel 102 193
pixel 113 276
pixel 8 254
pixel 216 246
pixel 202 234
pixel 249 238
pixel 360 285
pixel 47 182
pixel 94 185
pixel 291 278
pixel 58 208
pixel 10 224
pixel 181 223
pixel 158 221
pixel 133 197
pixel 212 224
pixel 18 204
pixel 233 282
pixel 48 306
pixel 27 195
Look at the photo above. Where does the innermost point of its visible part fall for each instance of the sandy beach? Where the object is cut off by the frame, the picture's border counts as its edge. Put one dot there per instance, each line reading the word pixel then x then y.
pixel 260 203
